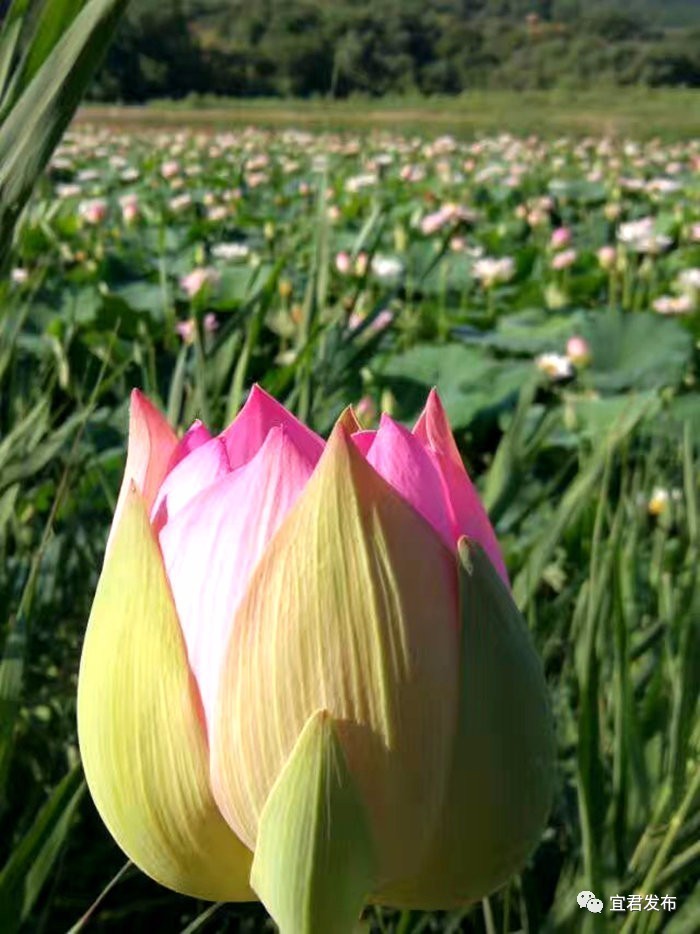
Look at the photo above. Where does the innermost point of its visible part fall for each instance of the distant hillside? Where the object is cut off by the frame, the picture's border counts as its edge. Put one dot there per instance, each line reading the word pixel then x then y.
pixel 336 48
pixel 668 12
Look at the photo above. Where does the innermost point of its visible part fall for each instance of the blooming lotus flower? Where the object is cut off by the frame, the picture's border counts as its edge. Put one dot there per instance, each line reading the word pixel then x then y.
pixel 564 259
pixel 554 365
pixel 304 679
pixel 560 238
pixel 94 211
pixel 193 283
pixel 492 270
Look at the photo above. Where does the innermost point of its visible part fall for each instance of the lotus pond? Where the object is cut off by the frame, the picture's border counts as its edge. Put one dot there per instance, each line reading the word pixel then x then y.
pixel 550 290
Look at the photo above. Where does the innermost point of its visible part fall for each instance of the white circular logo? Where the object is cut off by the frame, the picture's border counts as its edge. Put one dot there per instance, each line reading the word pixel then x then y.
pixel 595 905
pixel 583 898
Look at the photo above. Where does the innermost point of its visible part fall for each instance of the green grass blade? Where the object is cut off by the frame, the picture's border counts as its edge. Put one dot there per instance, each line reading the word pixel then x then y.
pixel 54 17
pixel 30 864
pixel 202 918
pixel 11 677
pixel 37 121
pixel 114 881
pixel 576 498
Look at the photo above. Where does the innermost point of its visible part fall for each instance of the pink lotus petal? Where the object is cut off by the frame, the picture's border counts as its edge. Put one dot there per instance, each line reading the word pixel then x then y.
pixel 246 434
pixel 212 546
pixel 206 464
pixel 195 436
pixel 400 458
pixel 466 510
pixel 363 440
pixel 151 444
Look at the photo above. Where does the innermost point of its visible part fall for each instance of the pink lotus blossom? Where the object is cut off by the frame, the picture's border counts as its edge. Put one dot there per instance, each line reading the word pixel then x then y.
pixel 195 281
pixel 449 213
pixel 382 320
pixel 494 270
pixel 560 238
pixel 94 211
pixel 564 259
pixel 170 169
pixel 431 223
pixel 536 217
pixel 366 410
pixel 207 508
pixel 289 633
pixel 131 210
pixel 343 262
pixel 607 257
pixel 578 351
pixel 210 322
pixel 180 203
pixel 186 329
pixel 673 304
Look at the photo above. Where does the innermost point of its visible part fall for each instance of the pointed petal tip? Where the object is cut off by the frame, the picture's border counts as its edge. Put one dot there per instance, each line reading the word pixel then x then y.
pixel 261 412
pixel 141 405
pixel 349 421
pixel 339 436
pixel 434 408
pixel 341 450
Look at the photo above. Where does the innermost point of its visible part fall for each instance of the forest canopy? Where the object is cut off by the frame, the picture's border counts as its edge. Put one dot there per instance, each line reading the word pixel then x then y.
pixel 339 48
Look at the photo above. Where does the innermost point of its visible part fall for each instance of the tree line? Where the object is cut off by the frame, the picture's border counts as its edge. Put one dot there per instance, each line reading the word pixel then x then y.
pixel 339 48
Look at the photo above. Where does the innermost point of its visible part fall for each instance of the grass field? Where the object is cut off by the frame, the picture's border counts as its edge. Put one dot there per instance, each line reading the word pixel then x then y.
pixel 614 112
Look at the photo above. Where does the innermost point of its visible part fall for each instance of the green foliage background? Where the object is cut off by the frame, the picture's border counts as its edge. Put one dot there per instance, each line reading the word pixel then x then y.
pixel 566 469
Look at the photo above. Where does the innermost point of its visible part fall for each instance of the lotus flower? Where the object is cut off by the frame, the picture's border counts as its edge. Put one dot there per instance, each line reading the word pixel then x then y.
pixel 304 679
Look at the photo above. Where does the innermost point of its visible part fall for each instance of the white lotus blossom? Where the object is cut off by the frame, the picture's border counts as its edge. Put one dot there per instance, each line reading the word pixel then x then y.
pixel 555 366
pixel 491 270
pixel 386 267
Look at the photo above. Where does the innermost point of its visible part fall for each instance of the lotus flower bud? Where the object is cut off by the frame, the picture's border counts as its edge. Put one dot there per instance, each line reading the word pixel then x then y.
pixel 564 259
pixel 196 280
pixel 366 410
pixel 607 256
pixel 94 211
pixel 343 263
pixel 578 351
pixel 560 238
pixel 324 695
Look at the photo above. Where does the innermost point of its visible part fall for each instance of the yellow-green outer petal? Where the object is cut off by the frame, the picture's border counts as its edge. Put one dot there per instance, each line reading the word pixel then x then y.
pixel 314 863
pixel 141 738
pixel 503 772
pixel 353 610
